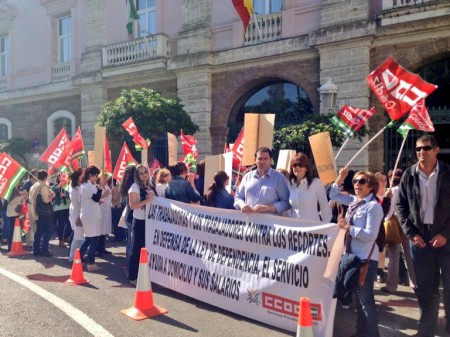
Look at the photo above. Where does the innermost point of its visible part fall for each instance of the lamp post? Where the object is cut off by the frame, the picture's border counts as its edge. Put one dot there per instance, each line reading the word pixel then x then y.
pixel 328 93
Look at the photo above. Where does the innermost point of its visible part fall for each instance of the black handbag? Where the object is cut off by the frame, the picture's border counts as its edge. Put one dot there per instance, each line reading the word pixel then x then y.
pixel 43 208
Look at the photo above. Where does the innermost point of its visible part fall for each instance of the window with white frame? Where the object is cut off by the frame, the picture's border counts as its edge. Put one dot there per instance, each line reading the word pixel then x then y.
pixel 5 129
pixel 60 119
pixel 64 39
pixel 147 17
pixel 262 7
pixel 4 54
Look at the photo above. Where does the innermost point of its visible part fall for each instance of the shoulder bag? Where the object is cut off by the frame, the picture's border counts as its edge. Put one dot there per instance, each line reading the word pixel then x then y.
pixel 43 208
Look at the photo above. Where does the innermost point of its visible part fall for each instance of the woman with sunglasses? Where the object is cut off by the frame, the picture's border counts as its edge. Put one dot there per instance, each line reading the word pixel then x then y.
pixel 163 178
pixel 140 195
pixel 362 224
pixel 307 194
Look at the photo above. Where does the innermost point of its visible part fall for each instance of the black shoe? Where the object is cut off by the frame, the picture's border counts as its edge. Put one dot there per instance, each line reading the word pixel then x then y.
pixel 386 290
pixel 36 254
pixel 47 254
pixel 107 252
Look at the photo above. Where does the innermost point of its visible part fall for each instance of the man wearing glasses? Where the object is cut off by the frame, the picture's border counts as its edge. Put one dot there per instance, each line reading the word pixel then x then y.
pixel 424 210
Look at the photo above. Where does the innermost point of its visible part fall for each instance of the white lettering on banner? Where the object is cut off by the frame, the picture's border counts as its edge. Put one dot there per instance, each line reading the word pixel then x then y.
pixel 257 266
pixel 397 88
pixel 4 165
pixel 352 119
pixel 56 154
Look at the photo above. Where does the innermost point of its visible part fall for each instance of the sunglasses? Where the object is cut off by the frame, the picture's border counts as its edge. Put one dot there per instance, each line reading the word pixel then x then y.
pixel 425 148
pixel 361 181
pixel 141 173
pixel 166 175
pixel 298 165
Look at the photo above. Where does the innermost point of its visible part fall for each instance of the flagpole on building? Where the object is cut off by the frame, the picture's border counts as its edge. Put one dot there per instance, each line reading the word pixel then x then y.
pixel 398 159
pixel 340 150
pixel 257 26
pixel 367 144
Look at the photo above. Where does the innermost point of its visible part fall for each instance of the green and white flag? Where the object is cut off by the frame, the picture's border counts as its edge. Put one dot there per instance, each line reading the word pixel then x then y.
pixel 132 17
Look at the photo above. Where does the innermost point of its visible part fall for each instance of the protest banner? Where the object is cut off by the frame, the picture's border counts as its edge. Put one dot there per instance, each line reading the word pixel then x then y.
pixel 323 156
pixel 220 162
pixel 255 265
pixel 91 158
pixel 54 151
pixel 258 132
pixel 99 146
pixel 11 173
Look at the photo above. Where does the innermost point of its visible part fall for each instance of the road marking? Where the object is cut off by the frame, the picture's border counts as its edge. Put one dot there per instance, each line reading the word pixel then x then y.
pixel 78 316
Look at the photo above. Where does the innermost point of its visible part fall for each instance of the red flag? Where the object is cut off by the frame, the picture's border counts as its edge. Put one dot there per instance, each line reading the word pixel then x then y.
pixel 53 153
pixel 107 163
pixel 74 150
pixel 140 142
pixel 398 89
pixel 238 146
pixel 11 173
pixel 245 10
pixel 188 143
pixel 154 165
pixel 418 119
pixel 350 119
pixel 125 158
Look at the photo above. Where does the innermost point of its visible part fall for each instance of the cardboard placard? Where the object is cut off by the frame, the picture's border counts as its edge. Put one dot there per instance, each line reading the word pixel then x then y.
pixel 258 132
pixel 99 147
pixel 91 158
pixel 172 146
pixel 323 156
pixel 284 159
pixel 220 162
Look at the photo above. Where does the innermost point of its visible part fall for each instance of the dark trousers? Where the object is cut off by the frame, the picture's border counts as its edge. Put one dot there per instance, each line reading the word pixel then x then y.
pixel 45 226
pixel 137 242
pixel 92 243
pixel 10 230
pixel 119 232
pixel 62 224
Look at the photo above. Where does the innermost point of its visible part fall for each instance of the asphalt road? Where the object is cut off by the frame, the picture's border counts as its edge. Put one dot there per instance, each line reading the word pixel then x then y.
pixel 36 302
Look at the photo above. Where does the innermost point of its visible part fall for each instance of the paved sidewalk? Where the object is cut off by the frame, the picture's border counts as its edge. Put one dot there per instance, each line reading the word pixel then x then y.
pixel 398 315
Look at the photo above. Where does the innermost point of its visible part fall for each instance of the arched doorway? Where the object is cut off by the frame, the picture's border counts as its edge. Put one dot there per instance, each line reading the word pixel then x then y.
pixel 287 101
pixel 438 105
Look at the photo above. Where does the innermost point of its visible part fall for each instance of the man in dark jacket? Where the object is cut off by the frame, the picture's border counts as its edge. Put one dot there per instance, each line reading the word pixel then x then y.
pixel 423 208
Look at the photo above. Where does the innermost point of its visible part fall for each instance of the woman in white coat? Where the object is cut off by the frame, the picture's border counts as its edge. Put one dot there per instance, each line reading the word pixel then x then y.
pixel 105 209
pixel 74 213
pixel 307 194
pixel 90 215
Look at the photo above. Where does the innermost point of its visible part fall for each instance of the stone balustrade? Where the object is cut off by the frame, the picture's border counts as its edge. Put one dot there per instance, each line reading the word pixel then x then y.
pixel 61 72
pixel 266 28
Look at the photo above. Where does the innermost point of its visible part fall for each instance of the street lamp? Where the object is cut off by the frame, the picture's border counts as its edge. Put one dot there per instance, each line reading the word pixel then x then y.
pixel 328 93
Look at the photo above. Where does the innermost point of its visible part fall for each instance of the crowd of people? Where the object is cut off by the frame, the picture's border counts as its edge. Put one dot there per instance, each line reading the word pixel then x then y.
pixel 367 206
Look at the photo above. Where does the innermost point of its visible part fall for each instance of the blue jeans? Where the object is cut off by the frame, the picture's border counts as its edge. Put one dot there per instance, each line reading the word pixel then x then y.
pixel 92 243
pixel 431 264
pixel 6 229
pixel 367 313
pixel 119 232
pixel 137 242
pixel 45 226
pixel 62 224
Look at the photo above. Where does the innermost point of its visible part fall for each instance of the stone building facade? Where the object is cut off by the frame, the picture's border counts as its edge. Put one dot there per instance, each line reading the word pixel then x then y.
pixel 199 50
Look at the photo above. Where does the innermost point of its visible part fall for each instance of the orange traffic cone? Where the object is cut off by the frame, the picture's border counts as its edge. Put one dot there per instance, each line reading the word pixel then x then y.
pixel 16 245
pixel 305 322
pixel 143 302
pixel 77 271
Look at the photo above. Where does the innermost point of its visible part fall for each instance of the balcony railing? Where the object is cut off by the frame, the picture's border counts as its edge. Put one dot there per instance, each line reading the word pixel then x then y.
pixel 389 4
pixel 61 72
pixel 145 48
pixel 2 83
pixel 268 28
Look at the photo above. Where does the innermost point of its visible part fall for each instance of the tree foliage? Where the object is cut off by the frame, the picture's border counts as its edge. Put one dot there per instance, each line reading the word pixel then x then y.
pixel 153 114
pixel 295 137
pixel 17 147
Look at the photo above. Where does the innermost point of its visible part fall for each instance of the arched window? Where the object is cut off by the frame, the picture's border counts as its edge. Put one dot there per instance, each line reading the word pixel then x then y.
pixel 5 129
pixel 58 120
pixel 289 102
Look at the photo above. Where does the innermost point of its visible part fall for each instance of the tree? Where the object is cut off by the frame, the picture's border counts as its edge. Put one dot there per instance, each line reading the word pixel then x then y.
pixel 153 114
pixel 17 147
pixel 295 137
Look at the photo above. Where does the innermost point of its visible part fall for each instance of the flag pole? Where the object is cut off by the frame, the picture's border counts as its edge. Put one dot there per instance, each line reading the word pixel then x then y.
pixel 398 159
pixel 340 150
pixel 257 26
pixel 367 144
